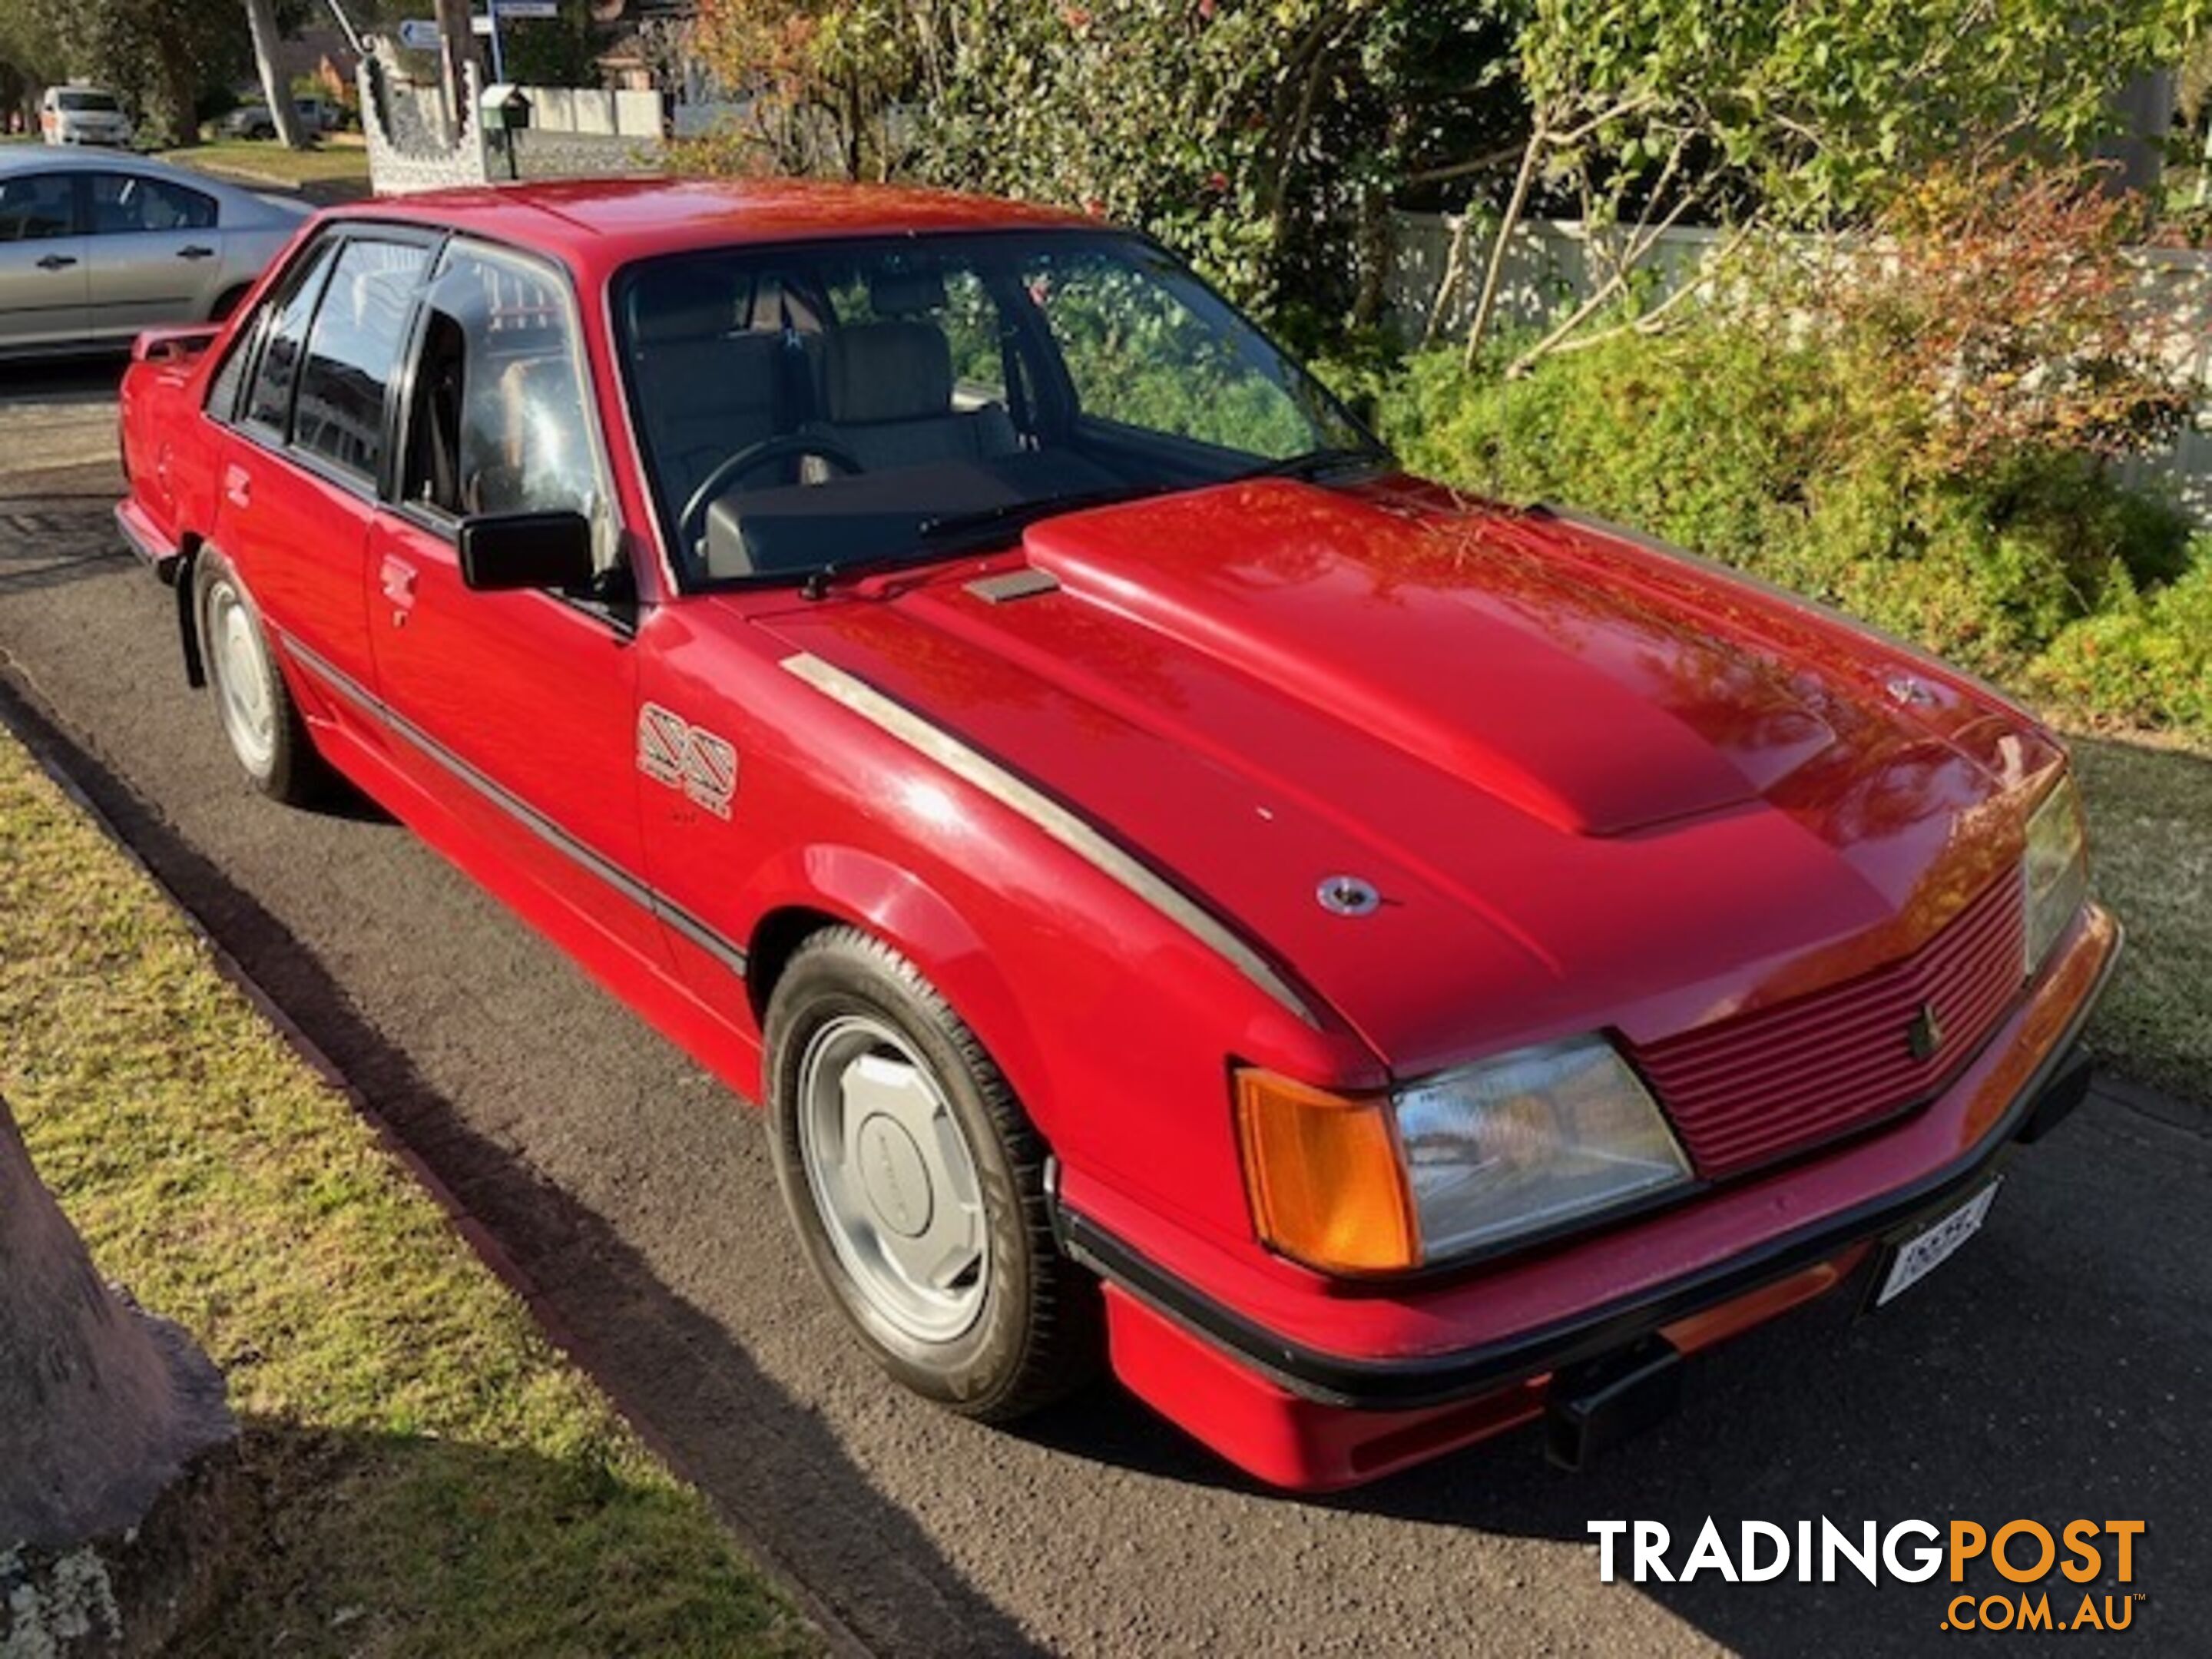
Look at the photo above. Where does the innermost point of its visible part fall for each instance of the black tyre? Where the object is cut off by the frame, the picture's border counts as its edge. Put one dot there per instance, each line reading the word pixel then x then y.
pixel 917 1185
pixel 259 718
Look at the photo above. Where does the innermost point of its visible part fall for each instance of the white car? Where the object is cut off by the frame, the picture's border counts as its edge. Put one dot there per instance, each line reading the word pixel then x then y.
pixel 94 247
pixel 82 115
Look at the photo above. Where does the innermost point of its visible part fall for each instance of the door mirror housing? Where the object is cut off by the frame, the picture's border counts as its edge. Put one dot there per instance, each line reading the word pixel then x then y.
pixel 504 552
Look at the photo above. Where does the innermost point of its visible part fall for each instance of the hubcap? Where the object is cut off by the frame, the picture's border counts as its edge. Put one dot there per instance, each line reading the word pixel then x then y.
pixel 893 1178
pixel 241 676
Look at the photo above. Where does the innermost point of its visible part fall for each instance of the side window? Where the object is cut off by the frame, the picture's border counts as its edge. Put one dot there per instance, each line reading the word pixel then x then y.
pixel 352 349
pixel 37 207
pixel 500 423
pixel 1139 354
pixel 123 203
pixel 283 335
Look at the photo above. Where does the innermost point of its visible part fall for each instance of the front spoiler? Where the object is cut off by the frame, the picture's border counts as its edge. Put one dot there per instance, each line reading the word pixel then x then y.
pixel 1416 1383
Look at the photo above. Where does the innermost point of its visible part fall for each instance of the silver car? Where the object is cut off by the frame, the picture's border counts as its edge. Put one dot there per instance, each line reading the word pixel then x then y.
pixel 92 247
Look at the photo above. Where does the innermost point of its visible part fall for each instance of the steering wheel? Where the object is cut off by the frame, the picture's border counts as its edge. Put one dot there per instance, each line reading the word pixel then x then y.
pixel 751 457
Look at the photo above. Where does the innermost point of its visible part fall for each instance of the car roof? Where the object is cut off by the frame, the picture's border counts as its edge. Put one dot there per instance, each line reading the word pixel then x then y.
pixel 55 158
pixel 597 225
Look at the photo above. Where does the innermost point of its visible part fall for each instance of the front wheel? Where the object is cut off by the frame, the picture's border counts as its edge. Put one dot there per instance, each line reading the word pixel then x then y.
pixel 917 1185
pixel 266 730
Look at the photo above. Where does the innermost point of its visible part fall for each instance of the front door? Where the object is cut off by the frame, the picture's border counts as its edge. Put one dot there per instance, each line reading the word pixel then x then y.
pixel 518 709
pixel 42 262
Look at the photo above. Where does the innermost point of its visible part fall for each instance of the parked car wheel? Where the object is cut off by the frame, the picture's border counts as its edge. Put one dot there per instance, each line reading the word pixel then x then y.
pixel 266 730
pixel 917 1185
pixel 226 302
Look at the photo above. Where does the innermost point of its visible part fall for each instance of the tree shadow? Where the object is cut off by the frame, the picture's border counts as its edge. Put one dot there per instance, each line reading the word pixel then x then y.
pixel 349 1541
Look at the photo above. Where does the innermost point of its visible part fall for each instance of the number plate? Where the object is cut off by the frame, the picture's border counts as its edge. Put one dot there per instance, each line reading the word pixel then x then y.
pixel 1913 1258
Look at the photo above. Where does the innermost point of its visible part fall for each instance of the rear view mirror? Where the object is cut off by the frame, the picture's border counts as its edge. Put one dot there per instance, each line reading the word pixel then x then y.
pixel 504 552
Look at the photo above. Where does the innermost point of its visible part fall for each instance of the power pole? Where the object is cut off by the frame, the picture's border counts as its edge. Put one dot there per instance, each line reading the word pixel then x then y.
pixel 457 48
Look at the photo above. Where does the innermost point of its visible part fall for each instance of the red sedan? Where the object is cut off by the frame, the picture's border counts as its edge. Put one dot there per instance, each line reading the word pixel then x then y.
pixel 1373 966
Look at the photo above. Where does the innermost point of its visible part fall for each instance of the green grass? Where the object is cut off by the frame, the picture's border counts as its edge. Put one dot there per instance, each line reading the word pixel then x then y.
pixel 2150 825
pixel 330 170
pixel 438 1480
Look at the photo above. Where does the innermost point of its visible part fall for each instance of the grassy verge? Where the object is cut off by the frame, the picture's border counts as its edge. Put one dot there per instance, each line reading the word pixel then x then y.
pixel 437 1479
pixel 330 171
pixel 2150 820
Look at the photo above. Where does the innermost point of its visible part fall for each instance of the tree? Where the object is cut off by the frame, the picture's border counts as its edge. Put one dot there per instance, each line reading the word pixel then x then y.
pixel 30 56
pixel 822 76
pixel 1810 113
pixel 261 23
pixel 102 1408
pixel 161 55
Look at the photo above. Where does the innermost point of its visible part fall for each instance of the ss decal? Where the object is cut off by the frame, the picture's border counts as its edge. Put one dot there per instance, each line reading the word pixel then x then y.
pixel 673 751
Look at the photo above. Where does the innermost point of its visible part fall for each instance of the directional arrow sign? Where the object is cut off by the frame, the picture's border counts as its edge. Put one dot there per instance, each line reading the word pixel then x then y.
pixel 419 35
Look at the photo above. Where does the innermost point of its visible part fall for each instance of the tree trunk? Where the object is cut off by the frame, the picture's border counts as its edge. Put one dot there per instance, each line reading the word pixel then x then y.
pixel 261 20
pixel 100 1406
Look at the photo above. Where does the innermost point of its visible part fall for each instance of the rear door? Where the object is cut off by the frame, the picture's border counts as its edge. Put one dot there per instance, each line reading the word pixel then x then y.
pixel 300 466
pixel 519 710
pixel 154 252
pixel 42 261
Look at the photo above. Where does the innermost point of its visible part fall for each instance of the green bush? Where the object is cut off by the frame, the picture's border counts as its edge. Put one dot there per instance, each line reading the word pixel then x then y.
pixel 2036 566
pixel 2148 662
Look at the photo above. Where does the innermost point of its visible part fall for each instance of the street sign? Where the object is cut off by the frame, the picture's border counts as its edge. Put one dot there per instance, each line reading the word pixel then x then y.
pixel 419 35
pixel 527 9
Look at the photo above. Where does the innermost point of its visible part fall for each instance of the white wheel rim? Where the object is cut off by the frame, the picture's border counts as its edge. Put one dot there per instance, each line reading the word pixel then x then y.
pixel 893 1179
pixel 241 678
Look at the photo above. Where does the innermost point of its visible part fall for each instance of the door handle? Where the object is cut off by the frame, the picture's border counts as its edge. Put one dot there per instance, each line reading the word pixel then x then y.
pixel 397 577
pixel 195 251
pixel 238 486
pixel 57 261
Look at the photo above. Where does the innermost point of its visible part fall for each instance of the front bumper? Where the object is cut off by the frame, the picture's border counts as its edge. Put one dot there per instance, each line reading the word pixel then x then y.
pixel 1299 1414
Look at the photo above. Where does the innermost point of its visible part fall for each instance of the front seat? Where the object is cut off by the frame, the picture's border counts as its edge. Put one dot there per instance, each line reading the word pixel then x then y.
pixel 705 390
pixel 887 398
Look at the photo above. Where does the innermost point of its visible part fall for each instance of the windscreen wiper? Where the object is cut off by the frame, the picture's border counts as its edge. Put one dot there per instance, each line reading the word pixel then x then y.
pixel 949 526
pixel 1316 463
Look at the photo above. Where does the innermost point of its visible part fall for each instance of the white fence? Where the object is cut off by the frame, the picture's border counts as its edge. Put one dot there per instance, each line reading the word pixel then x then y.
pixel 1555 263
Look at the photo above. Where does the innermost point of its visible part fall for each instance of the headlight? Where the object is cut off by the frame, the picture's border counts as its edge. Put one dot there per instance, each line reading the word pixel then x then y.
pixel 2055 872
pixel 1523 1145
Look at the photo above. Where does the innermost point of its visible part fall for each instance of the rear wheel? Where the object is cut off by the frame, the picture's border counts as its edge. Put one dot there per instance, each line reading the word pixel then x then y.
pixel 917 1185
pixel 266 730
pixel 226 302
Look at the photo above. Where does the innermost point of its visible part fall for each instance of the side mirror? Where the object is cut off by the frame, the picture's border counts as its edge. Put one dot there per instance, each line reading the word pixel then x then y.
pixel 504 552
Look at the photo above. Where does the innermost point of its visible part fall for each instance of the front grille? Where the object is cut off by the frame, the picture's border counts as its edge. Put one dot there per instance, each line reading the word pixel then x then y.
pixel 1745 1090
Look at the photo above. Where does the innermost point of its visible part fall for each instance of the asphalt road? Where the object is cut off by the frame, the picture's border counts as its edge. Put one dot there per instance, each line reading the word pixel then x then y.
pixel 2056 1368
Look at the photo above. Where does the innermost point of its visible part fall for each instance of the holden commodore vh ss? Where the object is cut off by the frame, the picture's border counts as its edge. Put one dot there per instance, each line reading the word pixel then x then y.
pixel 1371 966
